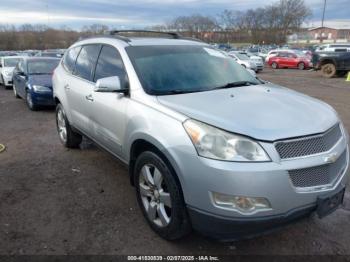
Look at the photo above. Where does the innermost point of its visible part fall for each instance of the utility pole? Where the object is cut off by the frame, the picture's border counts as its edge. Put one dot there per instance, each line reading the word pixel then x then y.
pixel 323 13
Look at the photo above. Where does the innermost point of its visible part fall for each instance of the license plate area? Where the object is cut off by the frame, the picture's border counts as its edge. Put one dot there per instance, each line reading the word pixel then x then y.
pixel 327 204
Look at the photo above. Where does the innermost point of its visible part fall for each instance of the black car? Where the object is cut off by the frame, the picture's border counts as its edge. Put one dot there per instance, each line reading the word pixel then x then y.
pixel 332 63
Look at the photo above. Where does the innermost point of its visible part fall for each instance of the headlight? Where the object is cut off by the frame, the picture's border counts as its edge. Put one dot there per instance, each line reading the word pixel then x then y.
pixel 41 88
pixel 7 74
pixel 214 143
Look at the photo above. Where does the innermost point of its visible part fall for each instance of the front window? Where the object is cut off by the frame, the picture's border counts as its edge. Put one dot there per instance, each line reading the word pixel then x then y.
pixel 42 67
pixel 165 70
pixel 11 62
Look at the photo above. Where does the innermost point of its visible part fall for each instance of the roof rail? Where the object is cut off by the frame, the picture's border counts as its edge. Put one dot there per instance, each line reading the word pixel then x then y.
pixel 118 32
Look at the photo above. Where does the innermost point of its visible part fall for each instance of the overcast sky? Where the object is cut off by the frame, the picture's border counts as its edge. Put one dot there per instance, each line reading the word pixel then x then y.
pixel 141 13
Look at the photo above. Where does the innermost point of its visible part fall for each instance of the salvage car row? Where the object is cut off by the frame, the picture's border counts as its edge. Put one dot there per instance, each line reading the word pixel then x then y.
pixel 209 146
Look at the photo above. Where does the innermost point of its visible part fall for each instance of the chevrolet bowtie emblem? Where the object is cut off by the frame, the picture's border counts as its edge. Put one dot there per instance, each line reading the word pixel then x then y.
pixel 331 158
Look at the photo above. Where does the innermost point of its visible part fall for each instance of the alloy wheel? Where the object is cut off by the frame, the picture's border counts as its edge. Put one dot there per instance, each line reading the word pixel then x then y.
pixel 155 197
pixel 61 126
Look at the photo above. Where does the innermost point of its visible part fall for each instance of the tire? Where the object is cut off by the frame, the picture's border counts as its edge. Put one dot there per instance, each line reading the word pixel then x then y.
pixel 160 196
pixel 29 101
pixel 328 70
pixel 301 66
pixel 67 136
pixel 274 65
pixel 15 91
pixel 2 81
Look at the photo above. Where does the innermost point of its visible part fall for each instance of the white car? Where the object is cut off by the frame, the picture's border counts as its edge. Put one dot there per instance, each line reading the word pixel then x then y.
pixel 257 60
pixel 7 65
pixel 244 60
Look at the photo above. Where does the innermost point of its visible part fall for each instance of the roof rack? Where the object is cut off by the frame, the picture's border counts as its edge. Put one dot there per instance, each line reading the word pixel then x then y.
pixel 118 32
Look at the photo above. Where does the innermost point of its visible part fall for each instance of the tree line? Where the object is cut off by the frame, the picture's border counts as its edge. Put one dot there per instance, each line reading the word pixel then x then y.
pixel 270 24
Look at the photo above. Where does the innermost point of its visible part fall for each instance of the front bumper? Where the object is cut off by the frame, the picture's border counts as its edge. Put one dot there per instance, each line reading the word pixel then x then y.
pixel 200 177
pixel 231 229
pixel 43 99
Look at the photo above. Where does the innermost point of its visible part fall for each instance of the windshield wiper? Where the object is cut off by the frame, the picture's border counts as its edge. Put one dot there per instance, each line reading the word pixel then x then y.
pixel 235 84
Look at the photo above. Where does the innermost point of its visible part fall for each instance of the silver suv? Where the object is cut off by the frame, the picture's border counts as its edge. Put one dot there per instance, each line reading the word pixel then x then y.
pixel 209 146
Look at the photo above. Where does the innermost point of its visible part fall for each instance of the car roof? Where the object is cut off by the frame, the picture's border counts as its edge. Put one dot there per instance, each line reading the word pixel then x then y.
pixel 6 57
pixel 139 41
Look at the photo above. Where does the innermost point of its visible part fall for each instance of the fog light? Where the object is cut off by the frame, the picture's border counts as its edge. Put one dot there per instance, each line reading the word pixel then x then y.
pixel 241 203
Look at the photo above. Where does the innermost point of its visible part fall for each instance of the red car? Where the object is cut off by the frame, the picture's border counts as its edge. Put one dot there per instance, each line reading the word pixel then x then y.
pixel 290 60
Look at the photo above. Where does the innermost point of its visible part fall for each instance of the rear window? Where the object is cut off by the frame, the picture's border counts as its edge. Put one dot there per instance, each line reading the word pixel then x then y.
pixel 70 58
pixel 86 61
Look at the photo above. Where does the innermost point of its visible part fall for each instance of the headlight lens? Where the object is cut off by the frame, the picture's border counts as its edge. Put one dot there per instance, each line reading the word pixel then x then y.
pixel 214 143
pixel 7 73
pixel 41 88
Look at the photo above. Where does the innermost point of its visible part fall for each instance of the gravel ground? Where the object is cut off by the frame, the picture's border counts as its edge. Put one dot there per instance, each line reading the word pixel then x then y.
pixel 59 201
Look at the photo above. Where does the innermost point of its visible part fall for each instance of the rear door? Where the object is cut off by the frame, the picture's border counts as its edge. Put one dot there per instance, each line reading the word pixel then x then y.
pixel 108 109
pixel 81 86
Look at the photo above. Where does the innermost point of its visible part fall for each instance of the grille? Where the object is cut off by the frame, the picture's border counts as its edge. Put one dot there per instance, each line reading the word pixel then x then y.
pixel 319 175
pixel 309 145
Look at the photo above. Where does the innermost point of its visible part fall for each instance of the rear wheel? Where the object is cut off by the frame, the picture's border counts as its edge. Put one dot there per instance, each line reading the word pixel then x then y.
pixel 328 70
pixel 160 197
pixel 67 136
pixel 301 66
pixel 274 65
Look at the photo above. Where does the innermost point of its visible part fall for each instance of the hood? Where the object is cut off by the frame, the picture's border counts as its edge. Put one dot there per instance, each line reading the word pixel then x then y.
pixel 42 80
pixel 264 112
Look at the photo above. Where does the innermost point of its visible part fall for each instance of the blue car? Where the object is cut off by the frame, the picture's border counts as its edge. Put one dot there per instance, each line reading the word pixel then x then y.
pixel 32 81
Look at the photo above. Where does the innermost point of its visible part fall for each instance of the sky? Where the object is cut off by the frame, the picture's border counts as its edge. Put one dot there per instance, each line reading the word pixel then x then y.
pixel 143 13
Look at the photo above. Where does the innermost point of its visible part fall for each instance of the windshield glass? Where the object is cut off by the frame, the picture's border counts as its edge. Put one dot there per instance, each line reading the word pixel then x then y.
pixel 11 62
pixel 166 70
pixel 242 56
pixel 42 66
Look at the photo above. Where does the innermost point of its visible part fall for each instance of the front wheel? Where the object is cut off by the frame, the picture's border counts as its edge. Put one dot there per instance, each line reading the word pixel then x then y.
pixel 29 101
pixel 160 198
pixel 67 136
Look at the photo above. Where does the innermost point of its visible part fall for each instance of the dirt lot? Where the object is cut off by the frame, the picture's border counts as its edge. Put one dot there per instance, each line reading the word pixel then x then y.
pixel 59 201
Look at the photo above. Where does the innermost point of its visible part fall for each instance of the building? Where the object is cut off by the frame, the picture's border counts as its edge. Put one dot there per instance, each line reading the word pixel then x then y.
pixel 321 34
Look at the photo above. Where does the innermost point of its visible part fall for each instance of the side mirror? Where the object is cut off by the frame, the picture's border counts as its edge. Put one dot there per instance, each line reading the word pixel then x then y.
pixel 110 84
pixel 21 73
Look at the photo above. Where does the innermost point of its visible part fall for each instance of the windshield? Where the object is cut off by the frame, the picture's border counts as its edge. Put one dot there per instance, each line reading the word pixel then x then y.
pixel 42 66
pixel 242 56
pixel 11 62
pixel 166 70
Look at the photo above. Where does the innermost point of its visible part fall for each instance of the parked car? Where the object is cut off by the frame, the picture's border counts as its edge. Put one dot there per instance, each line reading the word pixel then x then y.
pixel 289 60
pixel 332 63
pixel 259 62
pixel 244 60
pixel 32 81
pixel 209 146
pixel 7 65
pixel 337 47
pixel 49 54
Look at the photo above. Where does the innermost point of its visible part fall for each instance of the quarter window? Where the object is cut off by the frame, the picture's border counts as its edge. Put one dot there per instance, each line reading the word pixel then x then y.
pixel 86 61
pixel 109 64
pixel 70 58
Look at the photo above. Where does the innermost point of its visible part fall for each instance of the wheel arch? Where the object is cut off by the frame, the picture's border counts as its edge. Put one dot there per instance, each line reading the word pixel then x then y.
pixel 149 143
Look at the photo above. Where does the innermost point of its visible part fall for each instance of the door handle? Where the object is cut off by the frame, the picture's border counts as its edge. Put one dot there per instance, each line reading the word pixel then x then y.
pixel 89 97
pixel 66 87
